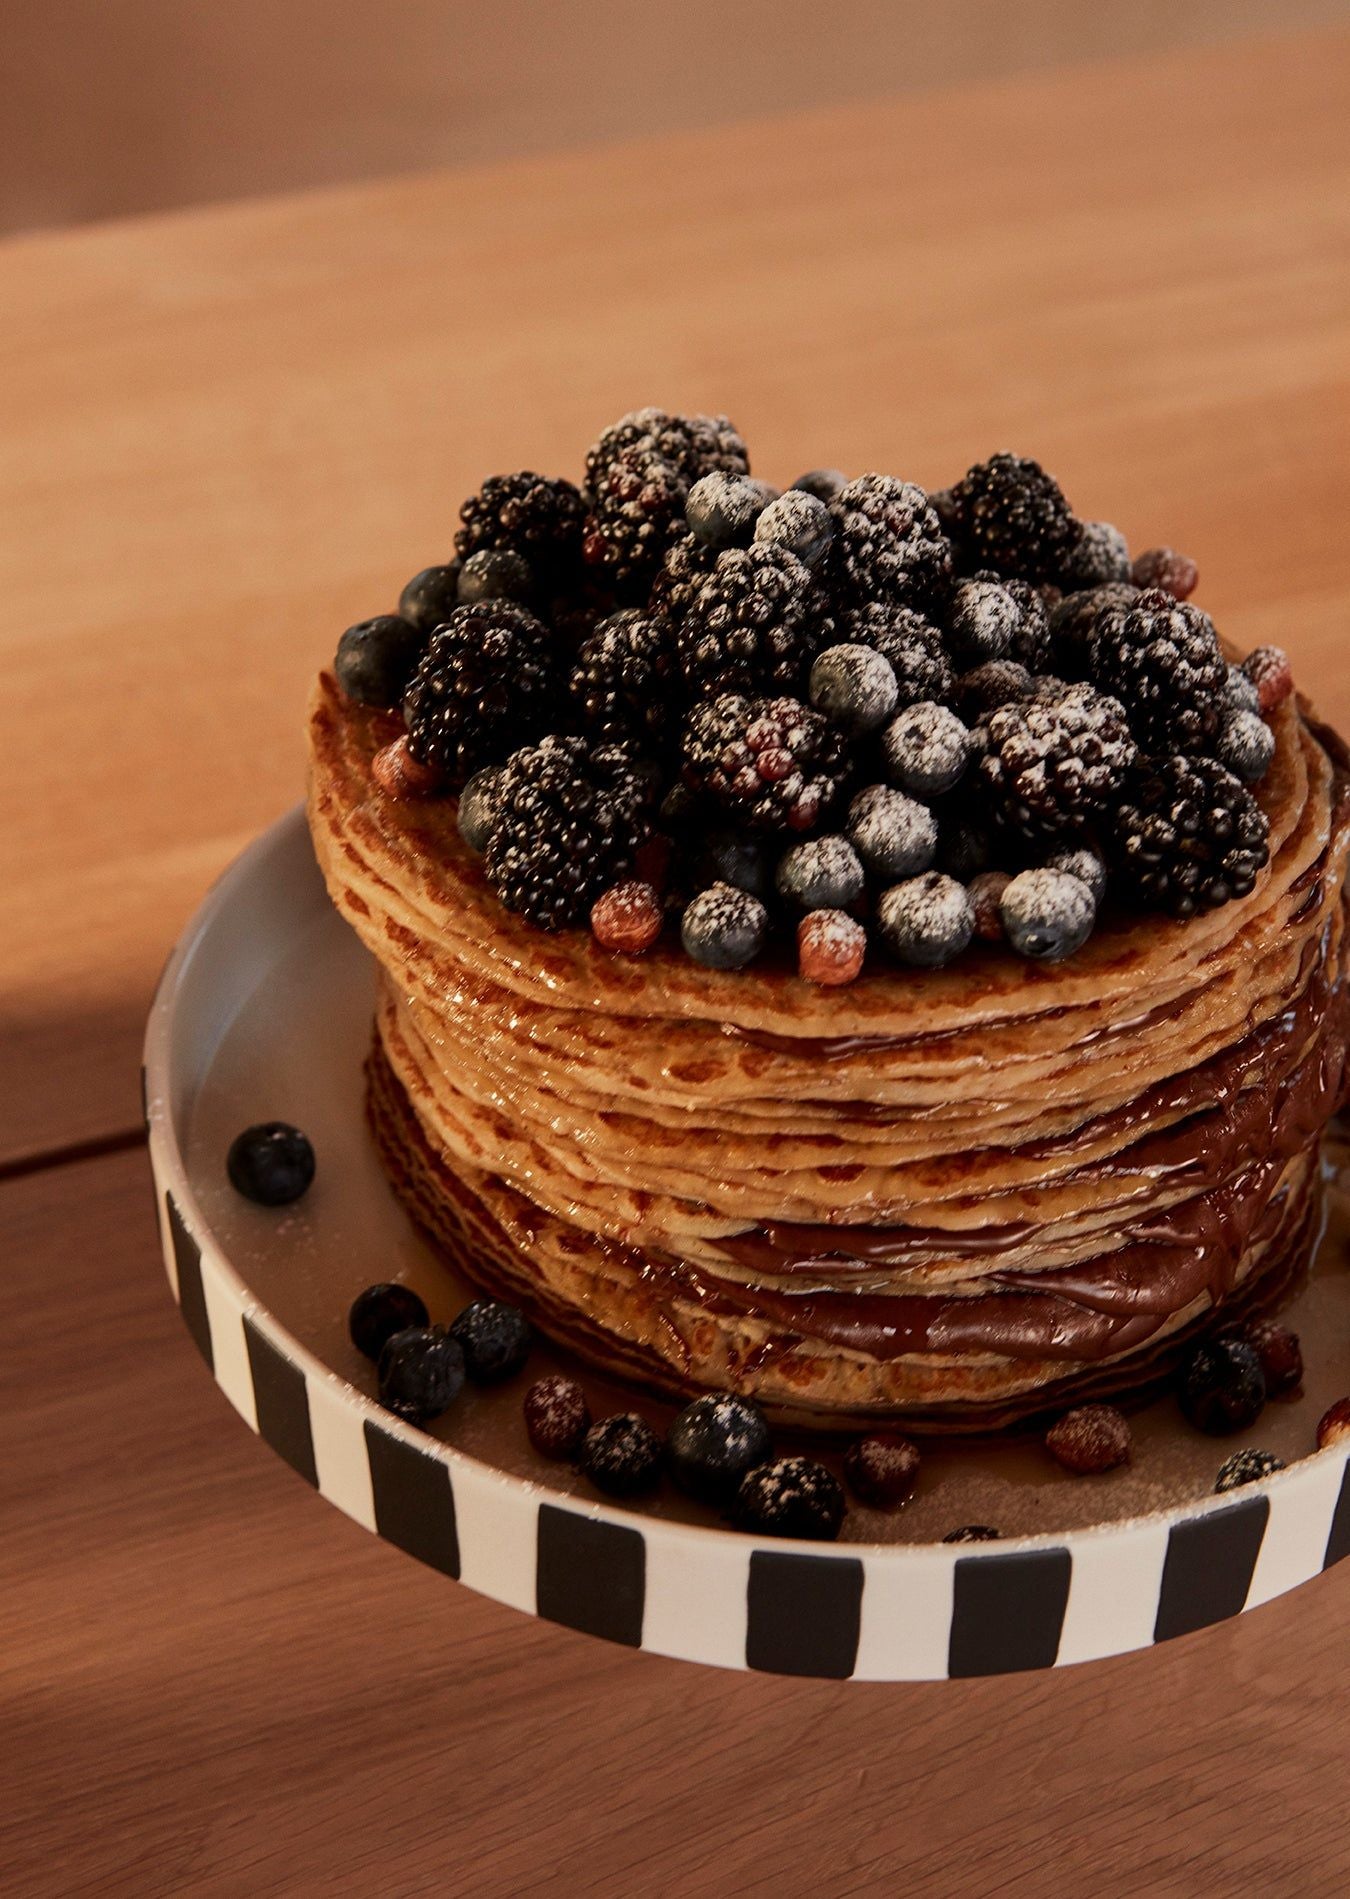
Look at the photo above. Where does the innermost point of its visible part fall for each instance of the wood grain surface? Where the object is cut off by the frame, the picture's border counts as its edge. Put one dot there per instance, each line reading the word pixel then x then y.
pixel 229 433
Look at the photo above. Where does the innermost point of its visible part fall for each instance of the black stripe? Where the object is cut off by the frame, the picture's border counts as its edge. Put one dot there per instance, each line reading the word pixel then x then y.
pixel 414 1499
pixel 591 1575
pixel 191 1298
pixel 282 1403
pixel 1208 1568
pixel 1338 1543
pixel 803 1614
pixel 1008 1611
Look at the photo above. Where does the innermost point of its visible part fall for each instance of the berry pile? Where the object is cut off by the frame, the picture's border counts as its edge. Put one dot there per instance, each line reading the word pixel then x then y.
pixel 848 718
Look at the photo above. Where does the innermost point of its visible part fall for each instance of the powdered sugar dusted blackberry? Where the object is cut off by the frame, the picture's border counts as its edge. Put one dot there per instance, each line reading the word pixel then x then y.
pixel 926 749
pixel 1100 554
pixel 1084 864
pixel 894 834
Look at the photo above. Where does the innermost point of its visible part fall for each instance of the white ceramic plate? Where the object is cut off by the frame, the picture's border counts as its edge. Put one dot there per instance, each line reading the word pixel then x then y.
pixel 264 1013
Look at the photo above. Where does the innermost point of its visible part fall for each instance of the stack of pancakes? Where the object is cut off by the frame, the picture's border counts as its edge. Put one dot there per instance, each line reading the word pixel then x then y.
pixel 948 1198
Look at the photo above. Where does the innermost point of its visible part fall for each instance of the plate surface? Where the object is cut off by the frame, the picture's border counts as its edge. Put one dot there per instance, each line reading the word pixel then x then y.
pixel 264 1013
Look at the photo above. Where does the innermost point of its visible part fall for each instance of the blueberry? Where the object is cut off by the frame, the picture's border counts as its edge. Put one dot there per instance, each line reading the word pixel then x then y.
pixel 622 1455
pixel 494 1338
pixel 430 597
pixel 379 1312
pixel 477 811
pixel 973 1533
pixel 984 621
pixel 824 873
pixel 721 509
pixel 557 1416
pixel 1047 914
pixel 799 522
pixel 713 1443
pixel 731 857
pixel 1246 745
pixel 926 749
pixel 1240 692
pixel 377 658
pixel 421 1373
pixel 927 921
pixel 495 574
pixel 1083 864
pixel 1222 1388
pixel 894 835
pixel 724 928
pixel 855 687
pixel 272 1163
pixel 793 1497
pixel 1247 1467
pixel 823 483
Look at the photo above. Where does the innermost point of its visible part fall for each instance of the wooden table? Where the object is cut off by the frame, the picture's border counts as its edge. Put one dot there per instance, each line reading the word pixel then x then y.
pixel 229 433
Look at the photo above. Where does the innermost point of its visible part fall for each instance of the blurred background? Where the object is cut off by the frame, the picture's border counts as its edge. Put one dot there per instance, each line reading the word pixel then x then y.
pixel 109 108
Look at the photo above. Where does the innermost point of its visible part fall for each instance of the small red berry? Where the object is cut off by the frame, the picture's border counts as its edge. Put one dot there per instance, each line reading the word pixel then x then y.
pixel 881 1469
pixel 1164 568
pixel 556 1416
pixel 1090 1439
pixel 986 896
pixel 831 946
pixel 627 918
pixel 1281 1356
pixel 1269 670
pixel 399 775
pixel 1334 1426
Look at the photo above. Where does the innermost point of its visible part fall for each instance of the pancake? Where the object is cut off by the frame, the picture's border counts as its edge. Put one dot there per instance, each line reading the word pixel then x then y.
pixel 948 1198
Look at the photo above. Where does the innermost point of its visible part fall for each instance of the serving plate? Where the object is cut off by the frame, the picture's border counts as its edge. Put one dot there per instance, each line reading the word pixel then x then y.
pixel 263 1013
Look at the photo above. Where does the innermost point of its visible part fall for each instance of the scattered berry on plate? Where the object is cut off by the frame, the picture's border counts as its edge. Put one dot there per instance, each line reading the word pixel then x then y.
pixel 825 873
pixel 973 1533
pixel 800 522
pixel 927 921
pixel 622 1455
pixel 421 1373
pixel 1247 1467
pixel 379 1312
pixel 376 659
pixel 724 928
pixel 495 1339
pixel 1047 914
pixel 477 808
pixel 557 1416
pixel 713 1443
pixel 628 917
pixel 893 834
pixel 855 687
pixel 1222 1387
pixel 271 1163
pixel 881 1468
pixel 1090 1439
pixel 398 774
pixel 1166 570
pixel 831 948
pixel 793 1497
pixel 1281 1356
pixel 1333 1427
pixel 1269 670
pixel 430 597
pixel 926 749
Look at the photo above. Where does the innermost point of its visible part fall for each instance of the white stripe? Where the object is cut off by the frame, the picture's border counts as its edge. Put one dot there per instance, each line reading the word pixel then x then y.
pixel 906 1617
pixel 225 1315
pixel 1301 1509
pixel 696 1598
pixel 337 1427
pixel 1113 1591
pixel 498 1537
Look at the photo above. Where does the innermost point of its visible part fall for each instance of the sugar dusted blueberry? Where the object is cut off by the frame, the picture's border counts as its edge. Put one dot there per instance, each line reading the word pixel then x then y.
pixel 983 621
pixel 854 686
pixel 376 659
pixel 926 921
pixel 495 1339
pixel 430 597
pixel 1241 695
pixel 712 1444
pixel 1099 556
pixel 882 1468
pixel 824 873
pixel 477 807
pixel 421 1373
pixel 724 928
pixel 1247 1467
pixel 1084 864
pixel 622 1455
pixel 794 1497
pixel 379 1312
pixel 1047 914
pixel 1222 1387
pixel 801 523
pixel 926 749
pixel 831 948
pixel 495 573
pixel 1246 746
pixel 722 509
pixel 271 1163
pixel 823 483
pixel 557 1416
pixel 894 834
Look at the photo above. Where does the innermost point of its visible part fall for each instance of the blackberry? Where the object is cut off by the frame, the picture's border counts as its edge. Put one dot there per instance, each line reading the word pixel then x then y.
pixel 1031 638
pixel 1188 836
pixel 622 1455
pixel 1085 865
pixel 713 1443
pixel 794 1497
pixel 567 823
pixel 888 543
pixel 1074 622
pixel 1222 1388
pixel 1053 764
pixel 758 621
pixel 1161 659
pixel 774 764
pixel 483 687
pixel 1246 1467
pixel 687 564
pixel 535 516
pixel 1012 516
pixel 623 680
pixel 693 445
pixel 911 643
pixel 638 513
pixel 1100 555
